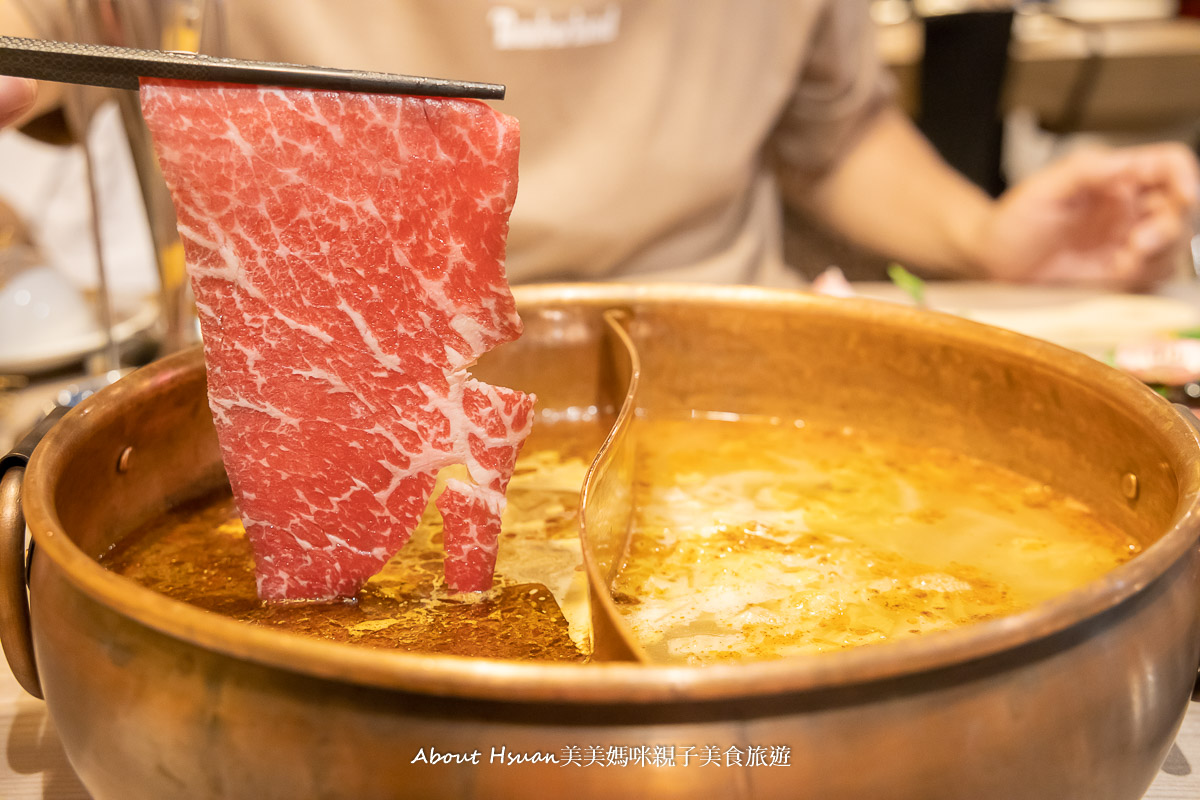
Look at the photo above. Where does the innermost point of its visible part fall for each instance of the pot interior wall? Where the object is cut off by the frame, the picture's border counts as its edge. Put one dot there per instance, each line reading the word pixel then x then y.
pixel 1055 417
pixel 919 376
pixel 165 427
pixel 142 449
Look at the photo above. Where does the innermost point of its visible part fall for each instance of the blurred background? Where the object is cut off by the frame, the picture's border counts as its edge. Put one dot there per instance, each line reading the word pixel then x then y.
pixel 1003 88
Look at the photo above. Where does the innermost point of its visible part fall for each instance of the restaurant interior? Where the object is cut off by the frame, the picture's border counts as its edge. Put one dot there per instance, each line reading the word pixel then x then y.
pixel 1066 383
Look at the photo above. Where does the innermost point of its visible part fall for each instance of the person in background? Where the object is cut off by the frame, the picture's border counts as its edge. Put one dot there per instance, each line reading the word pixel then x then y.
pixel 658 139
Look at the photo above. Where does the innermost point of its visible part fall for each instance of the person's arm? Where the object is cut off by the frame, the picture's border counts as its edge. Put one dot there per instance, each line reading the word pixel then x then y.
pixel 1107 218
pixel 893 194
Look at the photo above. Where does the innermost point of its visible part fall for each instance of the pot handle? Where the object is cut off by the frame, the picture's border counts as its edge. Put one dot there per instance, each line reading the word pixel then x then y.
pixel 16 636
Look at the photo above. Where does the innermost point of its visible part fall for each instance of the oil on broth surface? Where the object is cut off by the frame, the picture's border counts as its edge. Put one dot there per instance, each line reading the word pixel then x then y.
pixel 755 539
pixel 752 540
pixel 537 610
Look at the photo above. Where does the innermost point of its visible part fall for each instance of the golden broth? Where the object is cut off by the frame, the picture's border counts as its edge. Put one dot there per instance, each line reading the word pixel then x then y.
pixel 756 539
pixel 537 609
pixel 752 539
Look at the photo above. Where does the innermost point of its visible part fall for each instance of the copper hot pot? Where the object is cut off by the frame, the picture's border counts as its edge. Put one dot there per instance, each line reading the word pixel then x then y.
pixel 1080 697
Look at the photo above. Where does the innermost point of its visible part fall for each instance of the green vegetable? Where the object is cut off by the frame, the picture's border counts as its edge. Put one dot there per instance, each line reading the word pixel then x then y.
pixel 910 284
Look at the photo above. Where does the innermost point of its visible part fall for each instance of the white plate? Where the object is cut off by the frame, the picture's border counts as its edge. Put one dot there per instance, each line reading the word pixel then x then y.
pixel 1092 322
pixel 132 315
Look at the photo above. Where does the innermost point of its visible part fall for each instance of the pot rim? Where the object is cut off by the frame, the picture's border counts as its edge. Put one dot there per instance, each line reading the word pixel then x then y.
pixel 528 682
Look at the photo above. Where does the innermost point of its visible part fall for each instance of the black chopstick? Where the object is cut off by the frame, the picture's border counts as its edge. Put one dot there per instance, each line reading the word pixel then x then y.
pixel 120 68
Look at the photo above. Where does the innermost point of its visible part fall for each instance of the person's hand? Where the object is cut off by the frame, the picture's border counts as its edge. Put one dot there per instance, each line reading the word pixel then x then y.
pixel 1113 219
pixel 16 97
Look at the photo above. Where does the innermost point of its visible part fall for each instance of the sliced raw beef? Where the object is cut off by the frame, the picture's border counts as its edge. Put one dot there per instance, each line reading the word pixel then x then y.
pixel 346 252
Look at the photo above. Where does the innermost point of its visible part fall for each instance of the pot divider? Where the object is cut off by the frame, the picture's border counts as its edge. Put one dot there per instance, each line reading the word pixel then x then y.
pixel 606 505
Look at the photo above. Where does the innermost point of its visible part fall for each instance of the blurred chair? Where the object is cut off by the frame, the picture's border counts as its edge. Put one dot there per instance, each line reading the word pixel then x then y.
pixel 962 78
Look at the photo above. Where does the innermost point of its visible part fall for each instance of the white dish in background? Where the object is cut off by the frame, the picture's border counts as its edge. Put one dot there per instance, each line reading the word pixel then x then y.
pixel 39 303
pixel 1092 322
pixel 46 322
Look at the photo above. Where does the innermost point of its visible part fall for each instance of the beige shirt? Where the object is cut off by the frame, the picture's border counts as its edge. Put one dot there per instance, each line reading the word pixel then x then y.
pixel 649 127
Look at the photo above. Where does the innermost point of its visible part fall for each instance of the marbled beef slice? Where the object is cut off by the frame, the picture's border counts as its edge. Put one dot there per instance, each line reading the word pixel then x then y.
pixel 346 253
